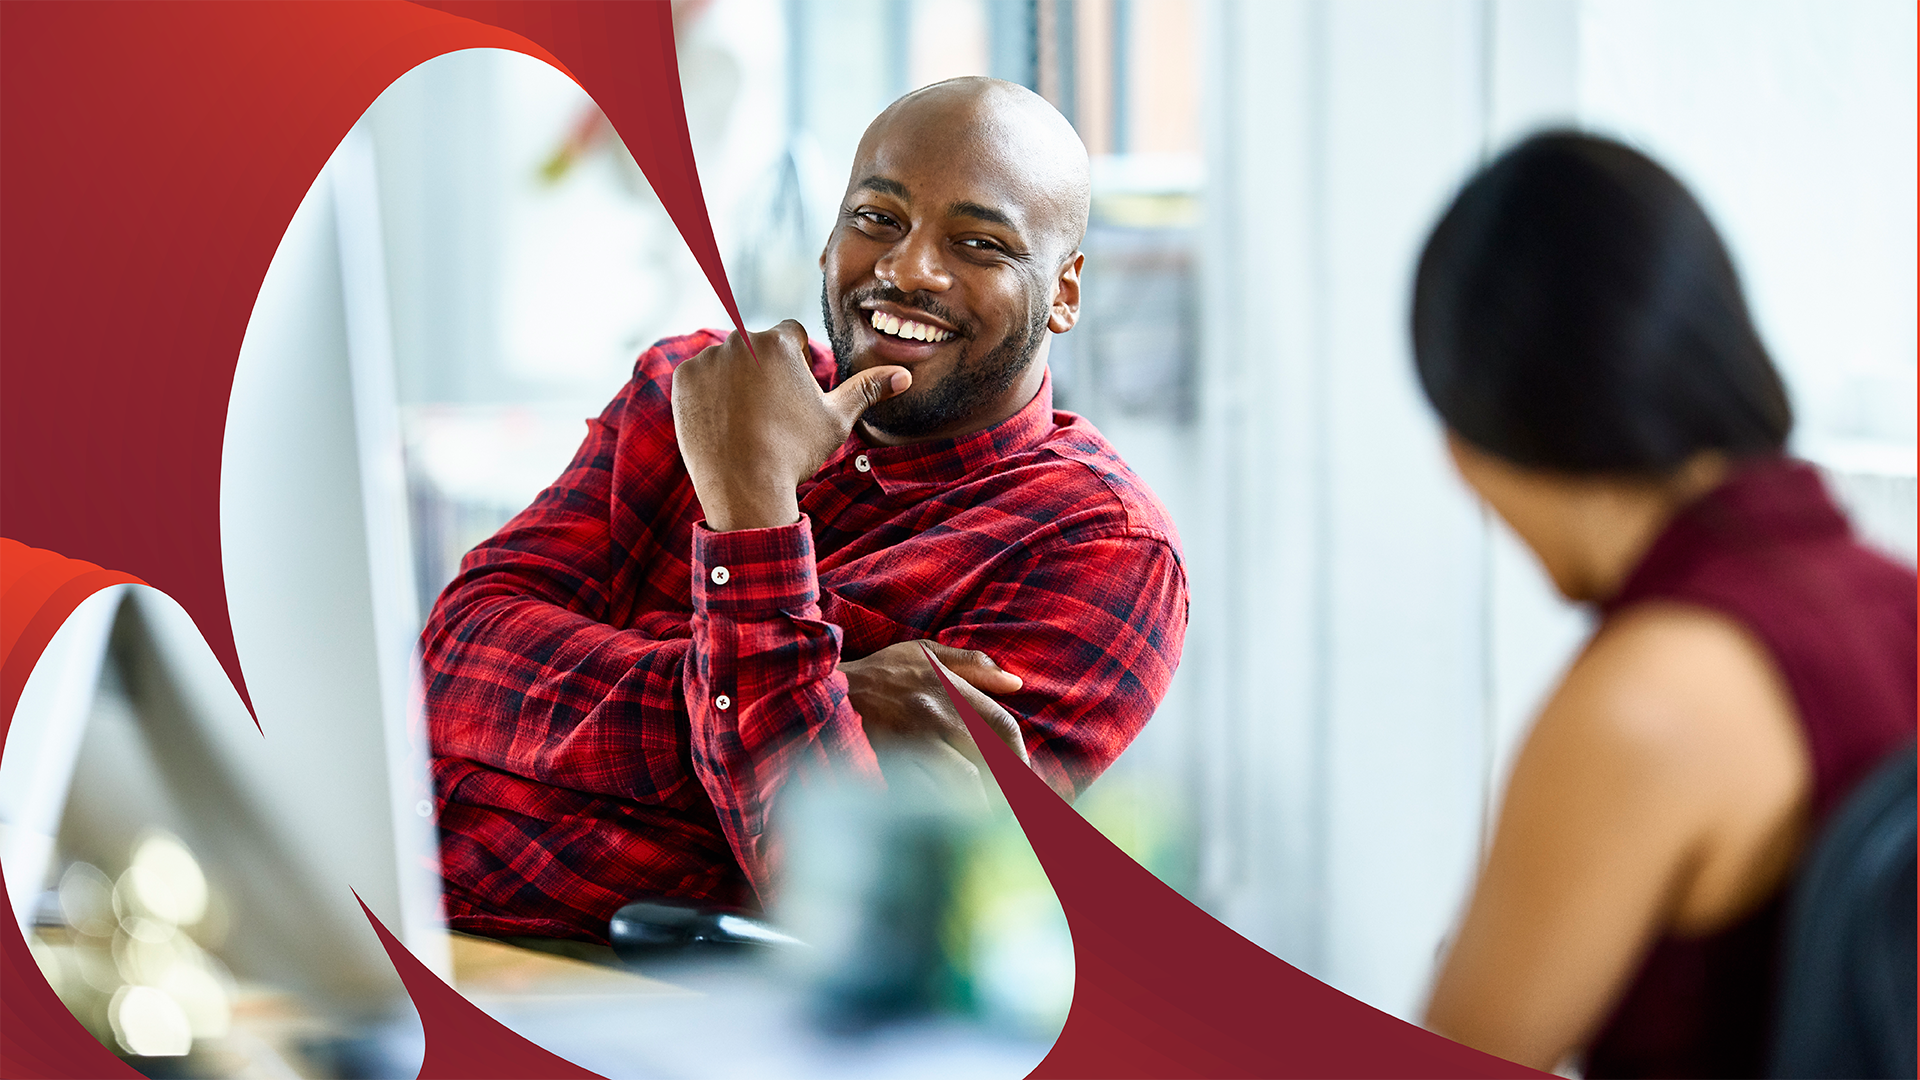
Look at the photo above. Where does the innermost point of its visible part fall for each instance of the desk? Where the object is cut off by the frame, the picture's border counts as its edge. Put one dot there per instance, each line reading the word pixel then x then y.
pixel 713 1019
pixel 484 968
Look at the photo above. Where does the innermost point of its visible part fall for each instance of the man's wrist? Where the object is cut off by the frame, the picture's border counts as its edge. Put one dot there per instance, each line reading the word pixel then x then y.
pixel 754 510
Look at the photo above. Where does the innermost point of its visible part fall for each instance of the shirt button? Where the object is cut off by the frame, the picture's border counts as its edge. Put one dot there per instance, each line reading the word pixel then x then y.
pixel 723 703
pixel 860 462
pixel 720 575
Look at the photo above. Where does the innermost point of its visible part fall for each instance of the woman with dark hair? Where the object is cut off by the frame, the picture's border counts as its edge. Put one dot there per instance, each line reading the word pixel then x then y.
pixel 1578 325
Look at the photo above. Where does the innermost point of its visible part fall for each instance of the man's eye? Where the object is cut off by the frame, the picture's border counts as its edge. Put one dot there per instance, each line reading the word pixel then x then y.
pixel 980 244
pixel 875 217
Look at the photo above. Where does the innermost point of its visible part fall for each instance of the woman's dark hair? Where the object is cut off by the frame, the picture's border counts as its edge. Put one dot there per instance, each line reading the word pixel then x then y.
pixel 1576 311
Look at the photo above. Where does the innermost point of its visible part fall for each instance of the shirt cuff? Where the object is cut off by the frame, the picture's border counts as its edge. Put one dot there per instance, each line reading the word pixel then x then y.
pixel 754 569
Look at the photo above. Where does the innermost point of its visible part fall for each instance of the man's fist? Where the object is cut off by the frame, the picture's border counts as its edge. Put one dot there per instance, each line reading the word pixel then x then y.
pixel 750 432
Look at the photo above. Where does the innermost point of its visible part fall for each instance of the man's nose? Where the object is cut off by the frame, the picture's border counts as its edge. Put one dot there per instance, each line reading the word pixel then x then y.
pixel 917 263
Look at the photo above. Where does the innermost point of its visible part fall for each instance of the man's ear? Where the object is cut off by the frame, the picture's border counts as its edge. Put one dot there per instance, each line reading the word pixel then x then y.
pixel 1066 296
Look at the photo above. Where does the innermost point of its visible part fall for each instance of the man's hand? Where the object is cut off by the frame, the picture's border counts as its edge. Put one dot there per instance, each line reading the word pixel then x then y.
pixel 751 432
pixel 901 701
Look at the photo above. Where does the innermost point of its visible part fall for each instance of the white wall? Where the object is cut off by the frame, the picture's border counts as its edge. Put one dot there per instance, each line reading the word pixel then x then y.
pixel 1793 121
pixel 1342 572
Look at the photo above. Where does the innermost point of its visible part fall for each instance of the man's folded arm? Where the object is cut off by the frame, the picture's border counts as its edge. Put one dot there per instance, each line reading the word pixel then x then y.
pixel 1065 648
pixel 1093 626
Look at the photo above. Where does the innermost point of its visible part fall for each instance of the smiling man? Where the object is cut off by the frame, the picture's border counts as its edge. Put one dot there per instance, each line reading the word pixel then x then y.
pixel 737 574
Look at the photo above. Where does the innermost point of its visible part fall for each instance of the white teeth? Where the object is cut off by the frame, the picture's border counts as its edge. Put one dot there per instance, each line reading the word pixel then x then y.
pixel 907 328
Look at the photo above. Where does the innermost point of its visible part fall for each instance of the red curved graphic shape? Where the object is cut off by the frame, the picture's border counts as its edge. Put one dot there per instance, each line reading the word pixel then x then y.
pixel 464 1043
pixel 1163 989
pixel 38 1036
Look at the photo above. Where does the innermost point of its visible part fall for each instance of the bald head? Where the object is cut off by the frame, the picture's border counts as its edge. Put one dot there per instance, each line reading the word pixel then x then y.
pixel 1017 138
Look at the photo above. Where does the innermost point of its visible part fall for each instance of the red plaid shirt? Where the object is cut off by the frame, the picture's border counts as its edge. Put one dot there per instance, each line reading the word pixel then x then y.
pixel 615 693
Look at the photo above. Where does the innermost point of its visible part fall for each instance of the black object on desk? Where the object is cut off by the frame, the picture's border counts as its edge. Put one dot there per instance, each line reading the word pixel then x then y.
pixel 649 928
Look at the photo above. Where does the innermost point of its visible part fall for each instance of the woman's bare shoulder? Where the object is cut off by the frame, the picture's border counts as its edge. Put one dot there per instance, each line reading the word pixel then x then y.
pixel 1672 682
pixel 1685 713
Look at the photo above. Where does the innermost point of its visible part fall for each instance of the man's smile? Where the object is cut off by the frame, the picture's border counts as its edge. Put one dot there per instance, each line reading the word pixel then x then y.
pixel 909 329
pixel 904 335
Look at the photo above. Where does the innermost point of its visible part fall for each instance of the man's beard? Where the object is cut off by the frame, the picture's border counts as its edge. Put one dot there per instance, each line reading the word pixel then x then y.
pixel 967 389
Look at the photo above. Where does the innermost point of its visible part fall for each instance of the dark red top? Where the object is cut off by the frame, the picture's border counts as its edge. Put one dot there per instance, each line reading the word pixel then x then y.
pixel 614 693
pixel 1769 550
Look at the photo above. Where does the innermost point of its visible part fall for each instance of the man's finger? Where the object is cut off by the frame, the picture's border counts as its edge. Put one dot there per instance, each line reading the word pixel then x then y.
pixel 1002 723
pixel 977 668
pixel 784 343
pixel 989 710
pixel 864 390
pixel 791 330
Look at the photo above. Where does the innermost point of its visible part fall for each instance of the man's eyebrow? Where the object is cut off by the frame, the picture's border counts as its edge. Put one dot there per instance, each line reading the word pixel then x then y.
pixel 980 213
pixel 884 186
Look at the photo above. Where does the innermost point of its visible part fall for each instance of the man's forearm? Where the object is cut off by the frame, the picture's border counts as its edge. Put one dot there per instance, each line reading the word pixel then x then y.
pixel 764 697
pixel 520 684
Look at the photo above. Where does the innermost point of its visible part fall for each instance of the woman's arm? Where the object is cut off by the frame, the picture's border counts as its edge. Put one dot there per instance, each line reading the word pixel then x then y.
pixel 1662 789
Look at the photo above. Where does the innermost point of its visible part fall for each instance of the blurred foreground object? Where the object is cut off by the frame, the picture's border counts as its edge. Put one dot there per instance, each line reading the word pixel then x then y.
pixel 129 956
pixel 135 958
pixel 916 903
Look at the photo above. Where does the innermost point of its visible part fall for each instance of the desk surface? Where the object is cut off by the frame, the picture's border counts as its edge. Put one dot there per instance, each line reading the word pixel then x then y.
pixel 711 1020
pixel 484 968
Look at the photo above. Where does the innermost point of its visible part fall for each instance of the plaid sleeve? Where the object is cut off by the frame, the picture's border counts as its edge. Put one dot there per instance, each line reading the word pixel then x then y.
pixel 528 669
pixel 1093 627
pixel 764 696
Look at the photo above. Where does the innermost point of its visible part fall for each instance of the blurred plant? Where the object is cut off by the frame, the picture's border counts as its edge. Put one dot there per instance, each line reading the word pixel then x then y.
pixel 1006 938
pixel 590 132
pixel 1144 820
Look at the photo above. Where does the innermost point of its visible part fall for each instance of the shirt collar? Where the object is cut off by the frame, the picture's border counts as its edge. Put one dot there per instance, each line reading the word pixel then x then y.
pixel 948 460
pixel 1765 500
